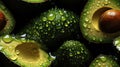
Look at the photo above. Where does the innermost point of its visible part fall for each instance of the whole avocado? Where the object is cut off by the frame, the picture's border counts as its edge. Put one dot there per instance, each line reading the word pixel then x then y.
pixel 52 27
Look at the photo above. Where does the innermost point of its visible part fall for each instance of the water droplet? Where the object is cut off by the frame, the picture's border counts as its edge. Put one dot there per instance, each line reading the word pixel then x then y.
pixel 51 16
pixel 47 25
pixel 85 25
pixel 103 58
pixel 98 2
pixel 86 34
pixel 14 58
pixel 63 18
pixel 78 52
pixel 7 39
pixel 40 27
pixel 116 42
pixel 44 19
pixel 61 13
pixel 106 2
pixel 86 19
pixel 1 48
pixel 17 52
pixel 66 25
pixel 70 54
pixel 93 38
pixel 87 12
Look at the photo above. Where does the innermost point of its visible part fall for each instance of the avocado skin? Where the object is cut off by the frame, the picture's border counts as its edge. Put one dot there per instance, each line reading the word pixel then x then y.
pixel 105 60
pixel 53 27
pixel 72 54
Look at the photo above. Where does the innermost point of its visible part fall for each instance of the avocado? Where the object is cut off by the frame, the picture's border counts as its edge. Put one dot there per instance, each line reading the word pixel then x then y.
pixel 52 27
pixel 89 20
pixel 34 1
pixel 24 52
pixel 72 53
pixel 116 43
pixel 7 22
pixel 104 61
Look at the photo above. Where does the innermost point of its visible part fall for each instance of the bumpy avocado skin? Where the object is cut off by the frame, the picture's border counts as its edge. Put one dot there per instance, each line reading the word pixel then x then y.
pixel 104 61
pixel 89 20
pixel 53 27
pixel 24 52
pixel 10 21
pixel 72 54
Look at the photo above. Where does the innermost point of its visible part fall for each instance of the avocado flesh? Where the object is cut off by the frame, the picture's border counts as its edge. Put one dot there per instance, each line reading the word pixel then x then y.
pixel 89 20
pixel 104 61
pixel 34 1
pixel 23 52
pixel 9 20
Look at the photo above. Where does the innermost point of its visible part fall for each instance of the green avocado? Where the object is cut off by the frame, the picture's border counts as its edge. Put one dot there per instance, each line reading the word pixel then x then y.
pixel 89 20
pixel 7 22
pixel 24 52
pixel 104 61
pixel 52 27
pixel 72 54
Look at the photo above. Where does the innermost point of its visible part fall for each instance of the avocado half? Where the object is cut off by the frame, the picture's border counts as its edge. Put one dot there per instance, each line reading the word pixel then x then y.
pixel 89 20
pixel 7 24
pixel 34 1
pixel 24 52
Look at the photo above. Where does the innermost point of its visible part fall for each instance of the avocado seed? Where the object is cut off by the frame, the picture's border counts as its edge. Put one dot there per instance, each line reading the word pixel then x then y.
pixel 109 21
pixel 2 21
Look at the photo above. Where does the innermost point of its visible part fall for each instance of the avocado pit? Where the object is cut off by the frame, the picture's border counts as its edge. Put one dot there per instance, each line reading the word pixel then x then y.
pixel 2 21
pixel 109 21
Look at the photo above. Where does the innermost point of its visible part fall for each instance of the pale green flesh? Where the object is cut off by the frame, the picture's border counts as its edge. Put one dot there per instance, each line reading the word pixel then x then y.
pixel 25 53
pixel 89 20
pixel 34 1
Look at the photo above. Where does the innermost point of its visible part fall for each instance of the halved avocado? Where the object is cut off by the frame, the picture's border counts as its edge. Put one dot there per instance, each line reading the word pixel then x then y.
pixel 104 61
pixel 24 52
pixel 34 1
pixel 89 20
pixel 7 21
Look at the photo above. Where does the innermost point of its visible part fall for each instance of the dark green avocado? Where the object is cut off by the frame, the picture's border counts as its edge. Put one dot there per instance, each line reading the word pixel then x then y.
pixel 7 21
pixel 89 20
pixel 72 54
pixel 24 52
pixel 104 61
pixel 52 27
